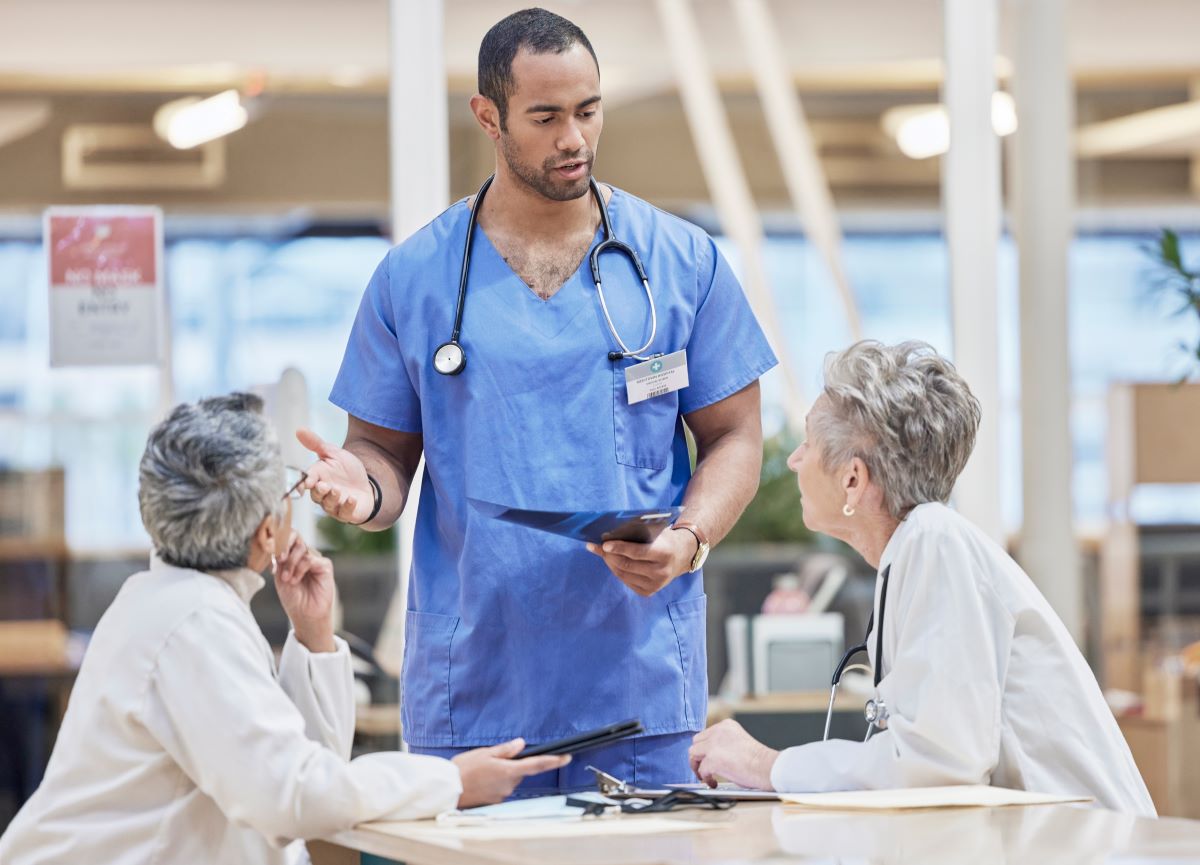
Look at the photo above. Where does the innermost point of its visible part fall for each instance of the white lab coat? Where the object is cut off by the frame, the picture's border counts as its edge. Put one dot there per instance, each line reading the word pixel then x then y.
pixel 982 681
pixel 182 743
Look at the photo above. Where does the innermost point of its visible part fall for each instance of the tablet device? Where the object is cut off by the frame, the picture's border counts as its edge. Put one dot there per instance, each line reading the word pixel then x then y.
pixel 639 526
pixel 585 741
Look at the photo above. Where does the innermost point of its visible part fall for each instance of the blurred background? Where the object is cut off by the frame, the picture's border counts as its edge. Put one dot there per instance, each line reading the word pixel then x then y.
pixel 1014 181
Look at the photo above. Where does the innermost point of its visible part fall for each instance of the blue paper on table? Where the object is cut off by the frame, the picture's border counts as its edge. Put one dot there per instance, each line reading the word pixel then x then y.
pixel 639 526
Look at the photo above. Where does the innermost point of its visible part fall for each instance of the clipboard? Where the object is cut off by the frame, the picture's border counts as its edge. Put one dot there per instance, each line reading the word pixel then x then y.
pixel 728 791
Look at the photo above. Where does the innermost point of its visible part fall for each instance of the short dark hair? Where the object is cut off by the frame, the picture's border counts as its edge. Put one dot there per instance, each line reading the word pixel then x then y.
pixel 539 31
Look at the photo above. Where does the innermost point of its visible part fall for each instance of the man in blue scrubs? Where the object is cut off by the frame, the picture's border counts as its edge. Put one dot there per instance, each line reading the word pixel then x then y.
pixel 510 631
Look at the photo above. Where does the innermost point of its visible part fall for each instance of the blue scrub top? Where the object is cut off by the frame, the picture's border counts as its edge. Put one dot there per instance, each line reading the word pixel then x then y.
pixel 510 631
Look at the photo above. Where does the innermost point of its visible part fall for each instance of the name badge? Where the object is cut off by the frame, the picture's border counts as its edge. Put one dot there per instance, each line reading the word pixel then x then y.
pixel 656 376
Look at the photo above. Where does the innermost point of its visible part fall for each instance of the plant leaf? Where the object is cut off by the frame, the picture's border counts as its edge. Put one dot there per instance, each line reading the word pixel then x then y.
pixel 1168 244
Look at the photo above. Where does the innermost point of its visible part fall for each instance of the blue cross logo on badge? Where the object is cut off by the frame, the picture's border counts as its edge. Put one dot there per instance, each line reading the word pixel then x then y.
pixel 656 366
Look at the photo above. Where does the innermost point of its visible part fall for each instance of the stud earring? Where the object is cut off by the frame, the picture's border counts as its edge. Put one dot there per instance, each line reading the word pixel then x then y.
pixel 274 564
pixel 847 510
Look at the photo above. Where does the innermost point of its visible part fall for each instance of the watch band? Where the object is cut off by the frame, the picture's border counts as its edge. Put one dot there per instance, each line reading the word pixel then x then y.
pixel 701 538
pixel 702 546
pixel 377 493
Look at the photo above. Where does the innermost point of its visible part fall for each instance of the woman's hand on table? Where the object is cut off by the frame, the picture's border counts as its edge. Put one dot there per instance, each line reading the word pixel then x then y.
pixel 726 751
pixel 490 775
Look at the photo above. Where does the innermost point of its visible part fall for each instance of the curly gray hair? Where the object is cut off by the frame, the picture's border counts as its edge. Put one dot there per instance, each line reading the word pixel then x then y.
pixel 903 410
pixel 211 471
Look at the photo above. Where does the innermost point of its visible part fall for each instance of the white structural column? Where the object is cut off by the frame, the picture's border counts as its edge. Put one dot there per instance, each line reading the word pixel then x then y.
pixel 418 131
pixel 971 212
pixel 419 145
pixel 727 181
pixel 1043 180
pixel 802 172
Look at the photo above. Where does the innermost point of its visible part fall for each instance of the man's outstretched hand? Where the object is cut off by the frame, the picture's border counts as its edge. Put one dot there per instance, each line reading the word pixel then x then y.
pixel 337 481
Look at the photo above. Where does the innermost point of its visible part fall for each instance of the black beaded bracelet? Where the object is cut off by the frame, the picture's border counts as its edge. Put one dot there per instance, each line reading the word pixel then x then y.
pixel 378 494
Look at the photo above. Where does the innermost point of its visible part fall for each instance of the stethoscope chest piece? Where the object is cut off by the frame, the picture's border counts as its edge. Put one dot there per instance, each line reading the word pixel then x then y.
pixel 876 714
pixel 449 359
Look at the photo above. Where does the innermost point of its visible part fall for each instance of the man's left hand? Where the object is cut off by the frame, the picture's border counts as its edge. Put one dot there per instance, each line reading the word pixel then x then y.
pixel 647 568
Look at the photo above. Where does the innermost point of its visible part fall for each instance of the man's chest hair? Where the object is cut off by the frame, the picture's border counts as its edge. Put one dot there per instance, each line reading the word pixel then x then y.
pixel 544 267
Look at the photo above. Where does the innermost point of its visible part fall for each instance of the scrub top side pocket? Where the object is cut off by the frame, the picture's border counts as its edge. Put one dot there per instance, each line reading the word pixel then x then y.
pixel 689 620
pixel 426 679
pixel 645 431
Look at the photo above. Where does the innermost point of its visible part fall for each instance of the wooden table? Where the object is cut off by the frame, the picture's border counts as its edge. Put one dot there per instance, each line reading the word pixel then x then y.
pixel 767 832
pixel 36 674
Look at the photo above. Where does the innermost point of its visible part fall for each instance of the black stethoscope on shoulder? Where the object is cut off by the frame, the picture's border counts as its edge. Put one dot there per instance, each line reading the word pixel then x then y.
pixel 450 359
pixel 875 712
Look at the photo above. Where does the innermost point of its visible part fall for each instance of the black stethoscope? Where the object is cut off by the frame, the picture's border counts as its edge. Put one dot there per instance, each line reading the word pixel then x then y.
pixel 875 712
pixel 450 359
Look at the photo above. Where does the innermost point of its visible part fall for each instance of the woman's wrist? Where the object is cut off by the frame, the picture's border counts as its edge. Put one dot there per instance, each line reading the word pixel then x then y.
pixel 764 764
pixel 317 637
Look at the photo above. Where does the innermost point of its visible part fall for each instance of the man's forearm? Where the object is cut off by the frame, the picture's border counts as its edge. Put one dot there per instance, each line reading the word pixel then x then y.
pixel 393 476
pixel 726 479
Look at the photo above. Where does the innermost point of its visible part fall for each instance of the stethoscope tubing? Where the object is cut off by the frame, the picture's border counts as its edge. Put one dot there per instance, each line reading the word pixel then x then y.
pixel 466 262
pixel 457 363
pixel 857 649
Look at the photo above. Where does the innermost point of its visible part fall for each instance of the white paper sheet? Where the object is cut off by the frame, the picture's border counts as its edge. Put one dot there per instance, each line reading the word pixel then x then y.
pixel 966 796
pixel 536 808
pixel 513 830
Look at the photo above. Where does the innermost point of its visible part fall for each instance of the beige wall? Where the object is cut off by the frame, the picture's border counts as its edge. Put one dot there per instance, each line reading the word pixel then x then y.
pixel 327 154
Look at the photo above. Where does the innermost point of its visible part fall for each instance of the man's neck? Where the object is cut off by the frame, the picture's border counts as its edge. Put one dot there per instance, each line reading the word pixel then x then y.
pixel 515 208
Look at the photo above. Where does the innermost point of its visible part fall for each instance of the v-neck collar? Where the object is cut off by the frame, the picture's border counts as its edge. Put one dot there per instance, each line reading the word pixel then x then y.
pixel 575 276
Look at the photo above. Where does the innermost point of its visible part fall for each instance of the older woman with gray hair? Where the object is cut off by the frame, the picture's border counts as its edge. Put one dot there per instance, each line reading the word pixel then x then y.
pixel 977 681
pixel 183 742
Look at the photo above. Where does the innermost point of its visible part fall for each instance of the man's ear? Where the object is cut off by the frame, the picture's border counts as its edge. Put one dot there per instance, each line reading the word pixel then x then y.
pixel 487 115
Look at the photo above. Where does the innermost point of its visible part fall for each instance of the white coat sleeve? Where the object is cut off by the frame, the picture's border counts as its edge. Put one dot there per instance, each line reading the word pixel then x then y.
pixel 321 685
pixel 946 645
pixel 214 705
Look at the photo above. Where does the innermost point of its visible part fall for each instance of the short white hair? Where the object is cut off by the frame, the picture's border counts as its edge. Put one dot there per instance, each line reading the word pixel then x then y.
pixel 210 473
pixel 904 411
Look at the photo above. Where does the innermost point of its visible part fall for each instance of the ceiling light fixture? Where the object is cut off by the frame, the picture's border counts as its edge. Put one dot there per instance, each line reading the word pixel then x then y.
pixel 922 131
pixel 192 121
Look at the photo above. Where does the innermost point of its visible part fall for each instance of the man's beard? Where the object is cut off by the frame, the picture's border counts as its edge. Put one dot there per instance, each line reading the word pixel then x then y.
pixel 543 181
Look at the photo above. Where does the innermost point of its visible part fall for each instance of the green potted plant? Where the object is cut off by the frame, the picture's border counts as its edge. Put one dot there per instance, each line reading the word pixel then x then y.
pixel 774 516
pixel 1174 277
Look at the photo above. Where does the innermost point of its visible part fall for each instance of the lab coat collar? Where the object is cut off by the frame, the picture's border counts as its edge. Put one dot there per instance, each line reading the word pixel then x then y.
pixel 897 538
pixel 243 581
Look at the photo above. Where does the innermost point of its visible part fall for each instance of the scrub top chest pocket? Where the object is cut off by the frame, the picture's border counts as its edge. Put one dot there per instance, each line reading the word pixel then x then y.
pixel 644 431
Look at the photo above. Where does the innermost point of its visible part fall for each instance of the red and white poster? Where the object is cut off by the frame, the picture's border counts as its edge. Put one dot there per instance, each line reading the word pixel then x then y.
pixel 105 266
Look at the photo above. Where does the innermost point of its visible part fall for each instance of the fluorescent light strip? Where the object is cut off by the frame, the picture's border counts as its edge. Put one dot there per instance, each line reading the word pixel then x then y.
pixel 190 122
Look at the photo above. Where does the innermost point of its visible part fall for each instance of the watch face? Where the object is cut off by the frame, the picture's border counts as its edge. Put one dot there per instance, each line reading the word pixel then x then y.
pixel 701 555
